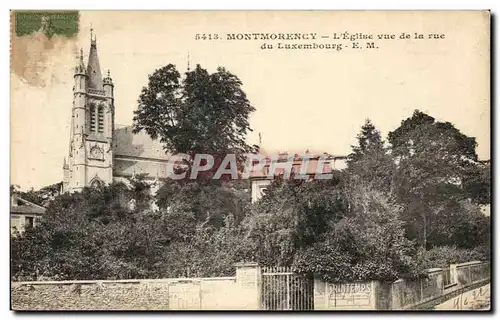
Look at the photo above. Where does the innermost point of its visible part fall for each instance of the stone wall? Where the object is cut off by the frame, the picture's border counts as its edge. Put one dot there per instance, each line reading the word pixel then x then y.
pixel 243 292
pixel 133 295
pixel 422 293
pixel 402 294
pixel 408 293
pixel 229 293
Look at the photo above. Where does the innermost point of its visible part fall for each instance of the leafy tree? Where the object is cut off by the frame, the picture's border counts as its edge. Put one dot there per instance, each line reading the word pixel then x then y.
pixel 291 216
pixel 443 256
pixel 367 243
pixel 209 252
pixel 461 224
pixel 201 114
pixel 434 160
pixel 206 201
pixel 478 183
pixel 40 197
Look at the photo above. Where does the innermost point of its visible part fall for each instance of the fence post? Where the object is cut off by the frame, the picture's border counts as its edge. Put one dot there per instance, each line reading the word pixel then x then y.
pixel 320 290
pixel 453 273
pixel 249 278
pixel 288 292
pixel 470 276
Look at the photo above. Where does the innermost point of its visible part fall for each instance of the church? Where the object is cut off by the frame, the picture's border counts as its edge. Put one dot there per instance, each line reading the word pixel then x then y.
pixel 101 151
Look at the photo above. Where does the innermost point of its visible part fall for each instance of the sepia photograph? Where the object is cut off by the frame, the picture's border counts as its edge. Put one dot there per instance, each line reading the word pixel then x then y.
pixel 250 160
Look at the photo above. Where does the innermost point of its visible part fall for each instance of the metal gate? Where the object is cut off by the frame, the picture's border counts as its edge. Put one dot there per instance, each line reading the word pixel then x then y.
pixel 284 290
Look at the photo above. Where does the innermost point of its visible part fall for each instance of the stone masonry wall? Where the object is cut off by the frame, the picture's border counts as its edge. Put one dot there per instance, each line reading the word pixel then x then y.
pixel 230 293
pixel 402 294
pixel 90 296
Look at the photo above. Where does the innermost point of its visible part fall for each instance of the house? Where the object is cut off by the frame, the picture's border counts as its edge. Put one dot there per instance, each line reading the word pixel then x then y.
pixel 24 214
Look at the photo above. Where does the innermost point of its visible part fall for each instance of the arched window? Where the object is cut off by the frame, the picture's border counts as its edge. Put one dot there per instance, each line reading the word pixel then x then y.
pixel 92 119
pixel 101 119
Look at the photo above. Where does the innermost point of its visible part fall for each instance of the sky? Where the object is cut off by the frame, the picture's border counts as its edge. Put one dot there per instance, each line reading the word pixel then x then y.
pixel 304 99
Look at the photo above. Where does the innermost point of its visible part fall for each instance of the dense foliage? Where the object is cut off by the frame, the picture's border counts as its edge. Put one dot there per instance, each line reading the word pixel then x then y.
pixel 40 197
pixel 202 113
pixel 442 257
pixel 436 179
pixel 366 243
pixel 111 233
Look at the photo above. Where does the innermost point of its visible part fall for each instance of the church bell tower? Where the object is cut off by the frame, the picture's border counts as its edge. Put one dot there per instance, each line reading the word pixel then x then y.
pixel 90 160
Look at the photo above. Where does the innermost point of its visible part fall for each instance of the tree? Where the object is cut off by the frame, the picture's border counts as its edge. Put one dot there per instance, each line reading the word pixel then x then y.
pixel 369 162
pixel 203 113
pixel 369 141
pixel 367 243
pixel 478 183
pixel 291 216
pixel 40 197
pixel 434 162
pixel 206 201
pixel 461 224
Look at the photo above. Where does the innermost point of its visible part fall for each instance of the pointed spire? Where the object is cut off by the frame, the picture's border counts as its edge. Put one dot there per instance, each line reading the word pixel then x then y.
pixel 93 66
pixel 93 37
pixel 108 76
pixel 108 80
pixel 188 63
pixel 80 66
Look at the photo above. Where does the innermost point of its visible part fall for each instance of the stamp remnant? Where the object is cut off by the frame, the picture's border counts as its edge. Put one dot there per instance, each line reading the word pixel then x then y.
pixel 50 23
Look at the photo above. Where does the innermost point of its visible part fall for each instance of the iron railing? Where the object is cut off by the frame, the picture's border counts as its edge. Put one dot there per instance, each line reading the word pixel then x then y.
pixel 284 290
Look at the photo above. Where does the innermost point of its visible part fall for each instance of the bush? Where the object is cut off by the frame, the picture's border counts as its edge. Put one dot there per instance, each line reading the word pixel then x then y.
pixel 369 244
pixel 442 257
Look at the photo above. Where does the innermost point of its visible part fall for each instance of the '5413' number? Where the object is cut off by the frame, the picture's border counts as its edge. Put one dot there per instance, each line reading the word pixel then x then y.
pixel 206 36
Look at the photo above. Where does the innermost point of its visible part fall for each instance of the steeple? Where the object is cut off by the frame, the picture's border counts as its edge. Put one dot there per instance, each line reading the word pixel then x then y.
pixel 92 122
pixel 93 67
pixel 80 66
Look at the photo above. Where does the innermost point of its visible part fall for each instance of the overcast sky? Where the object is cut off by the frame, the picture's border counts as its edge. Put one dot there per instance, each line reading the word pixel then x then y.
pixel 308 99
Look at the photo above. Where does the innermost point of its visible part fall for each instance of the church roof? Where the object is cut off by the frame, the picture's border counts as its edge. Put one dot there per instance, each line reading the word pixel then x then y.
pixel 139 145
pixel 93 68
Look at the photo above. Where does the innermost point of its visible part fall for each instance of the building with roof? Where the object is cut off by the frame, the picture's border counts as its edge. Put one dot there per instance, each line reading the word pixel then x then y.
pixel 24 214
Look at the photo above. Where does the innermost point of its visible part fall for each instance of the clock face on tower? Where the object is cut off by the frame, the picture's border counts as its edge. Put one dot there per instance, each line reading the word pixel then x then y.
pixel 96 153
